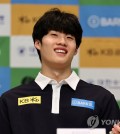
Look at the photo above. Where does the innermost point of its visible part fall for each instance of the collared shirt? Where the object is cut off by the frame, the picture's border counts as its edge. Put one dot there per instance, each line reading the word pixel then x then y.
pixel 34 115
pixel 43 81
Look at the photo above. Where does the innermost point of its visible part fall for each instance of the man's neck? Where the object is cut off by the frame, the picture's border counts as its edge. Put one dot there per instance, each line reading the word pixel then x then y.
pixel 56 74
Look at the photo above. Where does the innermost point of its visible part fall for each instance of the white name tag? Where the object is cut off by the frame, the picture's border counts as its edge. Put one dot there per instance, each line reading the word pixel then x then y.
pixel 81 131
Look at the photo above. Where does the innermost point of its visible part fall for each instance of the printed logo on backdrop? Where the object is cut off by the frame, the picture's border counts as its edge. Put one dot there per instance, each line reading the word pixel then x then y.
pixel 104 52
pixel 97 23
pixel 2 19
pixel 24 52
pixel 105 77
pixel 22 22
pixel 113 85
pixel 26 19
pixel 100 52
pixel 29 51
pixel 107 83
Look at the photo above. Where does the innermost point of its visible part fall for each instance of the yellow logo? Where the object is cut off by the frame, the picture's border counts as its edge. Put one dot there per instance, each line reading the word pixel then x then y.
pixel 100 52
pixel 29 100
pixel 24 19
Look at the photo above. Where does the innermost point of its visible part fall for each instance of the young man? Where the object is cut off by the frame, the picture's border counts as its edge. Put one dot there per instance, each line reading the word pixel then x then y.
pixel 57 98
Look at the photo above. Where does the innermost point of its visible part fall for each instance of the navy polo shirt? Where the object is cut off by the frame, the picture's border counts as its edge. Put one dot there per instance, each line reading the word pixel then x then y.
pixel 26 109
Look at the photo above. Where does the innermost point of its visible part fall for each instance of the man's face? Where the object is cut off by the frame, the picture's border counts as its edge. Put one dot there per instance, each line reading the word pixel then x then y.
pixel 57 49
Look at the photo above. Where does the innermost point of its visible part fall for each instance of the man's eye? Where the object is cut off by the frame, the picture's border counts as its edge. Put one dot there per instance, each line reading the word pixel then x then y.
pixel 70 37
pixel 53 34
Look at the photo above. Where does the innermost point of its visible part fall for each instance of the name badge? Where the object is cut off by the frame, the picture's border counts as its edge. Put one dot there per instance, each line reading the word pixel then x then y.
pixel 83 103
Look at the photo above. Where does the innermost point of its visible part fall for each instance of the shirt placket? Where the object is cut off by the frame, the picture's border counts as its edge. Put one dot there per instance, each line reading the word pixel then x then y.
pixel 56 98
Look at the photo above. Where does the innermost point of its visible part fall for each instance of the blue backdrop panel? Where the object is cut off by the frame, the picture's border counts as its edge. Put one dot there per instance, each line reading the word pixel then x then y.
pixel 100 21
pixel 4 79
pixel 70 2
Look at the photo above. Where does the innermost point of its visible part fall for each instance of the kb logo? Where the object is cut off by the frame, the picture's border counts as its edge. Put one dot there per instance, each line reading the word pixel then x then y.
pixel 34 99
pixel 29 100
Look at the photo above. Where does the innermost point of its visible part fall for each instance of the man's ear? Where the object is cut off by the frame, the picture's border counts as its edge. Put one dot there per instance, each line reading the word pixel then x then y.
pixel 37 44
pixel 76 51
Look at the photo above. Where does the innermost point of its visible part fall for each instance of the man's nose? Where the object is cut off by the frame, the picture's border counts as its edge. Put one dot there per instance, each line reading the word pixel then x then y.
pixel 62 41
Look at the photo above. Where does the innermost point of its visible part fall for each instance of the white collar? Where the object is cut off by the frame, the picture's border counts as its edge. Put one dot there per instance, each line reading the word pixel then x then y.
pixel 43 81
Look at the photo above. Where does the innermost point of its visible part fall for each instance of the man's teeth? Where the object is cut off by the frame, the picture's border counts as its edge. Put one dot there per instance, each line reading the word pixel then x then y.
pixel 60 51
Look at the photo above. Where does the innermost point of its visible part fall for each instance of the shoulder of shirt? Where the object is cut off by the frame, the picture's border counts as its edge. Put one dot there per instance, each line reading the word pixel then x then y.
pixel 20 88
pixel 93 88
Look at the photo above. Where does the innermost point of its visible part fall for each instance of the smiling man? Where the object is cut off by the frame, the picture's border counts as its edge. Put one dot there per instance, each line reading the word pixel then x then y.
pixel 57 98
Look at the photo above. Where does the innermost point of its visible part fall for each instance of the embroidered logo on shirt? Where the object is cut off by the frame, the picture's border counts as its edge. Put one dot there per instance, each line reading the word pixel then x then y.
pixel 83 103
pixel 29 100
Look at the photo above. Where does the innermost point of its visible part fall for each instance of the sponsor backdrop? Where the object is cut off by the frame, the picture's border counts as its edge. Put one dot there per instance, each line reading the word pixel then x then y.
pixel 98 59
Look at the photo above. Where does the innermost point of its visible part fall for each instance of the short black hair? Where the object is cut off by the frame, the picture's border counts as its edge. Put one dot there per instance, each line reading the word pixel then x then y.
pixel 60 21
